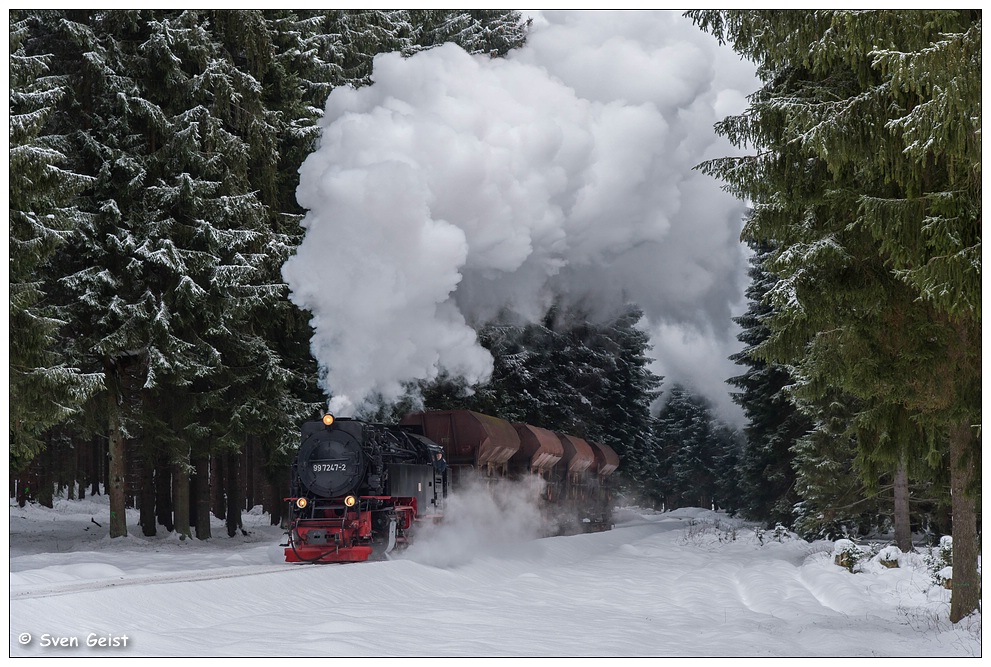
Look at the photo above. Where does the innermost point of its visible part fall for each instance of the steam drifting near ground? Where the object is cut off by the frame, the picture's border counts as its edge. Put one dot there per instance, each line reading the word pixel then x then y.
pixel 459 185
pixel 483 518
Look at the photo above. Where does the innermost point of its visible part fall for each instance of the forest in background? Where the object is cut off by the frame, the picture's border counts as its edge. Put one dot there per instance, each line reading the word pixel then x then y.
pixel 156 357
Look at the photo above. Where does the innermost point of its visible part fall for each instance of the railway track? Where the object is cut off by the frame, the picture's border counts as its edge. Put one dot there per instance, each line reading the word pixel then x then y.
pixel 28 591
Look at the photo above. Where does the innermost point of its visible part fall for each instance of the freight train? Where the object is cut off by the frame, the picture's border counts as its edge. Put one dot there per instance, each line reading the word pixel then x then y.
pixel 360 489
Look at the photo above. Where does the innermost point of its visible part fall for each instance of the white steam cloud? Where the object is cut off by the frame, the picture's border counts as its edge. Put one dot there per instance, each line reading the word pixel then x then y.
pixel 458 185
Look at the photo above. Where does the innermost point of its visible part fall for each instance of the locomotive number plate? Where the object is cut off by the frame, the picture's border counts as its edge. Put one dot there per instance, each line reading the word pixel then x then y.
pixel 330 467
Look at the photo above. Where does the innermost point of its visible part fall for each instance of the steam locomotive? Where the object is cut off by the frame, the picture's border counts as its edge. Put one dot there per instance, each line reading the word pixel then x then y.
pixel 360 489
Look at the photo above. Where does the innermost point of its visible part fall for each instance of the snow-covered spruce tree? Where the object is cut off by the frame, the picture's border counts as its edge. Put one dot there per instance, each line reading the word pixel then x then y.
pixel 627 390
pixel 593 380
pixel 221 191
pixel 867 336
pixel 538 368
pixel 868 174
pixel 767 475
pixel 834 501
pixel 97 290
pixel 362 34
pixel 518 387
pixel 689 451
pixel 44 389
pixel 568 375
pixel 489 31
pixel 287 58
pixel 729 451
pixel 162 283
pixel 844 491
pixel 577 365
pixel 359 35
pixel 872 342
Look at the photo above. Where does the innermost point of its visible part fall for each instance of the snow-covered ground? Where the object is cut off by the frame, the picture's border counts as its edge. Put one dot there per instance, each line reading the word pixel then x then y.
pixel 684 583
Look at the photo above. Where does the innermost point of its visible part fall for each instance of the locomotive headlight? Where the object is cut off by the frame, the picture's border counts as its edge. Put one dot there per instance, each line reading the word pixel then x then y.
pixel 328 419
pixel 301 503
pixel 350 501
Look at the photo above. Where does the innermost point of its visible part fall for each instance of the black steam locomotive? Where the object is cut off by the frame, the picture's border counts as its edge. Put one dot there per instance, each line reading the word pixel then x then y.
pixel 358 489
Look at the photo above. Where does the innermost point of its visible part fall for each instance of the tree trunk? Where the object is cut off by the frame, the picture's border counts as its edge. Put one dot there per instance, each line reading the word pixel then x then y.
pixel 116 451
pixel 46 476
pixel 202 499
pixel 99 463
pixel 273 500
pixel 69 471
pixel 23 487
pixel 82 465
pixel 232 461
pixel 163 493
pixel 133 481
pixel 251 466
pixel 106 469
pixel 218 484
pixel 146 496
pixel 966 591
pixel 903 520
pixel 180 482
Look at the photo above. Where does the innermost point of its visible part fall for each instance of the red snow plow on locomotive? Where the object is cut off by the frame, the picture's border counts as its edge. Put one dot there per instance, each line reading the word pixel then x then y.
pixel 360 489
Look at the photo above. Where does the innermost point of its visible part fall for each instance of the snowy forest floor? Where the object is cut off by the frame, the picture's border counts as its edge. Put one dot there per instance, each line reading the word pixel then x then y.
pixel 686 583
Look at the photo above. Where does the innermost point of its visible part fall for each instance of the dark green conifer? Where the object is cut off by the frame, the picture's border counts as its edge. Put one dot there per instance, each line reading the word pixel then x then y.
pixel 866 178
pixel 767 475
pixel 45 388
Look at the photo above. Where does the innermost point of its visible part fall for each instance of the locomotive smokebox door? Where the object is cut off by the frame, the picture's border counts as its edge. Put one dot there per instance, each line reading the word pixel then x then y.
pixel 416 481
pixel 331 461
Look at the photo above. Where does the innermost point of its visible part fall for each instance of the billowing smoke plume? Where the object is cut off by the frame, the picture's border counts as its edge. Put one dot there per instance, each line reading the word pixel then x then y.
pixel 458 185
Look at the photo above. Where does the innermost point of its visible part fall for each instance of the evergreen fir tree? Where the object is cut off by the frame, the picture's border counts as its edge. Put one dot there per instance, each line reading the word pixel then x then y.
pixel 774 424
pixel 874 204
pixel 91 280
pixel 691 454
pixel 729 451
pixel 623 402
pixel 176 262
pixel 568 375
pixel 835 501
pixel 487 31
pixel 44 388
